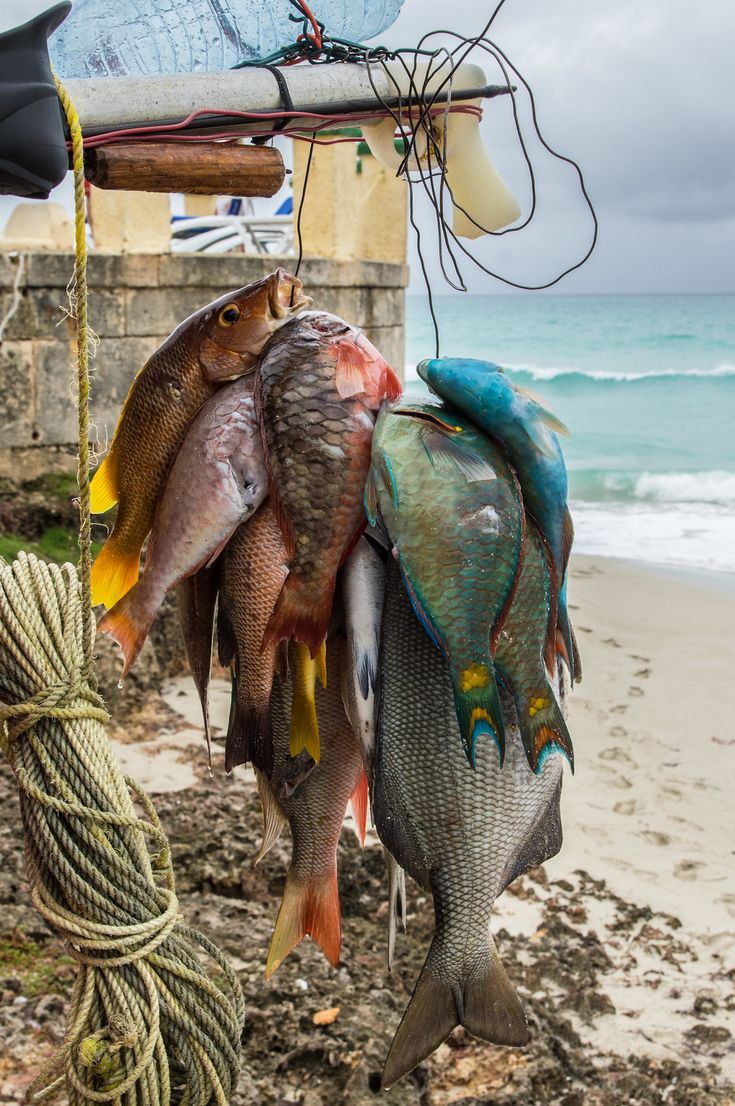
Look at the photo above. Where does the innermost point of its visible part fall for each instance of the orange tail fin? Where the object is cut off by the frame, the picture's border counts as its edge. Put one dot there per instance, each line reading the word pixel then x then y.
pixel 299 616
pixel 113 574
pixel 311 908
pixel 128 623
pixel 359 804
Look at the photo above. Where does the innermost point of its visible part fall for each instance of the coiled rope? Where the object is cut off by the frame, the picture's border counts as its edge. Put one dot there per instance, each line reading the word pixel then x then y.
pixel 147 1026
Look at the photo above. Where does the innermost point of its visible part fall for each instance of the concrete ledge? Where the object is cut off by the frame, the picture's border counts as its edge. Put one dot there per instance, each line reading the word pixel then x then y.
pixel 135 302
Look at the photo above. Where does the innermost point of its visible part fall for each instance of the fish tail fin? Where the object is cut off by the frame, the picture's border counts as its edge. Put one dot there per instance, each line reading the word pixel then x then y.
pixel 477 703
pixel 359 804
pixel 544 730
pixel 114 573
pixel 129 623
pixel 484 1001
pixel 299 615
pixel 304 729
pixel 103 489
pixel 307 907
pixel 273 817
pixel 249 735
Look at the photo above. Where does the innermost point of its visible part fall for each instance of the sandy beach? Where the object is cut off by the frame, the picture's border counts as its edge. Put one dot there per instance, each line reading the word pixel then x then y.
pixel 622 947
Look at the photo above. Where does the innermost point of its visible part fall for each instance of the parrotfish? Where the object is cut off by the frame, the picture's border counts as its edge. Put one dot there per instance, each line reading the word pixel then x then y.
pixel 463 835
pixel 253 572
pixel 451 506
pixel 196 598
pixel 320 382
pixel 220 342
pixel 313 798
pixel 525 657
pixel 528 434
pixel 217 480
pixel 362 586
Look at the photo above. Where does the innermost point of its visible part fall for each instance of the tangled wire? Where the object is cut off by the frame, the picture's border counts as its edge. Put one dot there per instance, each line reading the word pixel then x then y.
pixel 147 1025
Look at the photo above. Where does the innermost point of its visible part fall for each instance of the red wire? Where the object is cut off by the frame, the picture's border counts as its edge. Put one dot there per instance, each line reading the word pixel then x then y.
pixel 158 132
pixel 316 38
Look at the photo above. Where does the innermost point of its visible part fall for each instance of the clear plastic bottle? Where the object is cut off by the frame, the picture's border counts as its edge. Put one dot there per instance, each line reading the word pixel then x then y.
pixel 119 38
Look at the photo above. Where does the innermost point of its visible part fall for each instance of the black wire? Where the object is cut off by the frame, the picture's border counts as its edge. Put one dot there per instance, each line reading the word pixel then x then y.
pixel 304 186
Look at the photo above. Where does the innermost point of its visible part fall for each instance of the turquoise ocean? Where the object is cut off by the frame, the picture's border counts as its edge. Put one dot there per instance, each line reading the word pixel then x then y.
pixel 645 385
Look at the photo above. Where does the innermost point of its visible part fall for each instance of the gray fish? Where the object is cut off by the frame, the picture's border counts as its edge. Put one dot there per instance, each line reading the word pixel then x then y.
pixel 462 834
pixel 362 585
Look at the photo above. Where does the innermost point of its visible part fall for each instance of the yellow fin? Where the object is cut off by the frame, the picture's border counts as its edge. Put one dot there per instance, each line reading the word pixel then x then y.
pixel 304 730
pixel 320 664
pixel 104 492
pixel 113 574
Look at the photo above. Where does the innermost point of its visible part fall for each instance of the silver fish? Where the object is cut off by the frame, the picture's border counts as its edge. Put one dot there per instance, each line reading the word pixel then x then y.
pixel 362 584
pixel 462 834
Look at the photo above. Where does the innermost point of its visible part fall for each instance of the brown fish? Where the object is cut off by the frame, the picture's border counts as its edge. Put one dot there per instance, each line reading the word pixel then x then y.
pixel 319 385
pixel 217 481
pixel 253 572
pixel 314 799
pixel 220 342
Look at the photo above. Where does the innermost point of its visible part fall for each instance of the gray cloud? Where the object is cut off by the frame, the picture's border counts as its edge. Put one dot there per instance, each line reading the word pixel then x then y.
pixel 641 95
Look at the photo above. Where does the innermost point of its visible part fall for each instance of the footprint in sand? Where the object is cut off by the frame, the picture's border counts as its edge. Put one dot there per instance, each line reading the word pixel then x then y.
pixel 619 708
pixel 688 869
pixel 615 731
pixel 643 674
pixel 654 837
pixel 611 641
pixel 584 629
pixel 627 806
pixel 615 779
pixel 638 657
pixel 636 692
pixel 616 753
pixel 729 903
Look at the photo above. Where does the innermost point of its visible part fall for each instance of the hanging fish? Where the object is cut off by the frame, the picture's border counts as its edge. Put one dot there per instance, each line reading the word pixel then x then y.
pixel 452 508
pixel 217 480
pixel 526 655
pixel 528 434
pixel 196 598
pixel 463 835
pixel 320 383
pixel 314 797
pixel 253 572
pixel 362 585
pixel 220 342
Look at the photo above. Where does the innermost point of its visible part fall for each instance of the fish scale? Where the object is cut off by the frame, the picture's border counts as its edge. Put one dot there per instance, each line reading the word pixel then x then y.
pixel 315 809
pixel 526 653
pixel 319 383
pixel 451 505
pixel 205 350
pixel 462 834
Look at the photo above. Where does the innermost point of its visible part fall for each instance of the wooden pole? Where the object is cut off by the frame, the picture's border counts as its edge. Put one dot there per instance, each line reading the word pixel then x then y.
pixel 193 168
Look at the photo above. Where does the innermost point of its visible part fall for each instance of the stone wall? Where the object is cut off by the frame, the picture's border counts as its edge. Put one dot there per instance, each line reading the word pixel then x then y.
pixel 135 301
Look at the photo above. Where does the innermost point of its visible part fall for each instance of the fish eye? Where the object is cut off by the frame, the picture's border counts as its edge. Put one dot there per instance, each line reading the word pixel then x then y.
pixel 229 315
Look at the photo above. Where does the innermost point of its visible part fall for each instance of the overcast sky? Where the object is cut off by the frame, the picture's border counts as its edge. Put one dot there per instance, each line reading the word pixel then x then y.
pixel 640 93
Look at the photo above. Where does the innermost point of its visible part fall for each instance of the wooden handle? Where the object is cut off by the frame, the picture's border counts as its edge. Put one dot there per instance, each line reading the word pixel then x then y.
pixel 211 168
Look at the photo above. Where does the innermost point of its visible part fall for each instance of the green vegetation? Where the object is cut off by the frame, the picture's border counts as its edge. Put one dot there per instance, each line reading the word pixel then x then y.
pixel 57 543
pixel 40 967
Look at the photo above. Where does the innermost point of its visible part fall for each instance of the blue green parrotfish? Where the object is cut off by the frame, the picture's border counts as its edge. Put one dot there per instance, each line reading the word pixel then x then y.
pixel 451 506
pixel 527 432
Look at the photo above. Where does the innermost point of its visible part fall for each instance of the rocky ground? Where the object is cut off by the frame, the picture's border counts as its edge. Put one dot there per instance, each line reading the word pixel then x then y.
pixel 581 945
pixel 624 1005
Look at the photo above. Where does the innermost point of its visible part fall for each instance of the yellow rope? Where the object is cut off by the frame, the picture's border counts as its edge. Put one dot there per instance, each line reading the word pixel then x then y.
pixel 147 1026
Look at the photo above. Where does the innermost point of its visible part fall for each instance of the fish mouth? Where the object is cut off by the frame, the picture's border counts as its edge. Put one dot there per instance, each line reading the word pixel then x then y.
pixel 286 296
